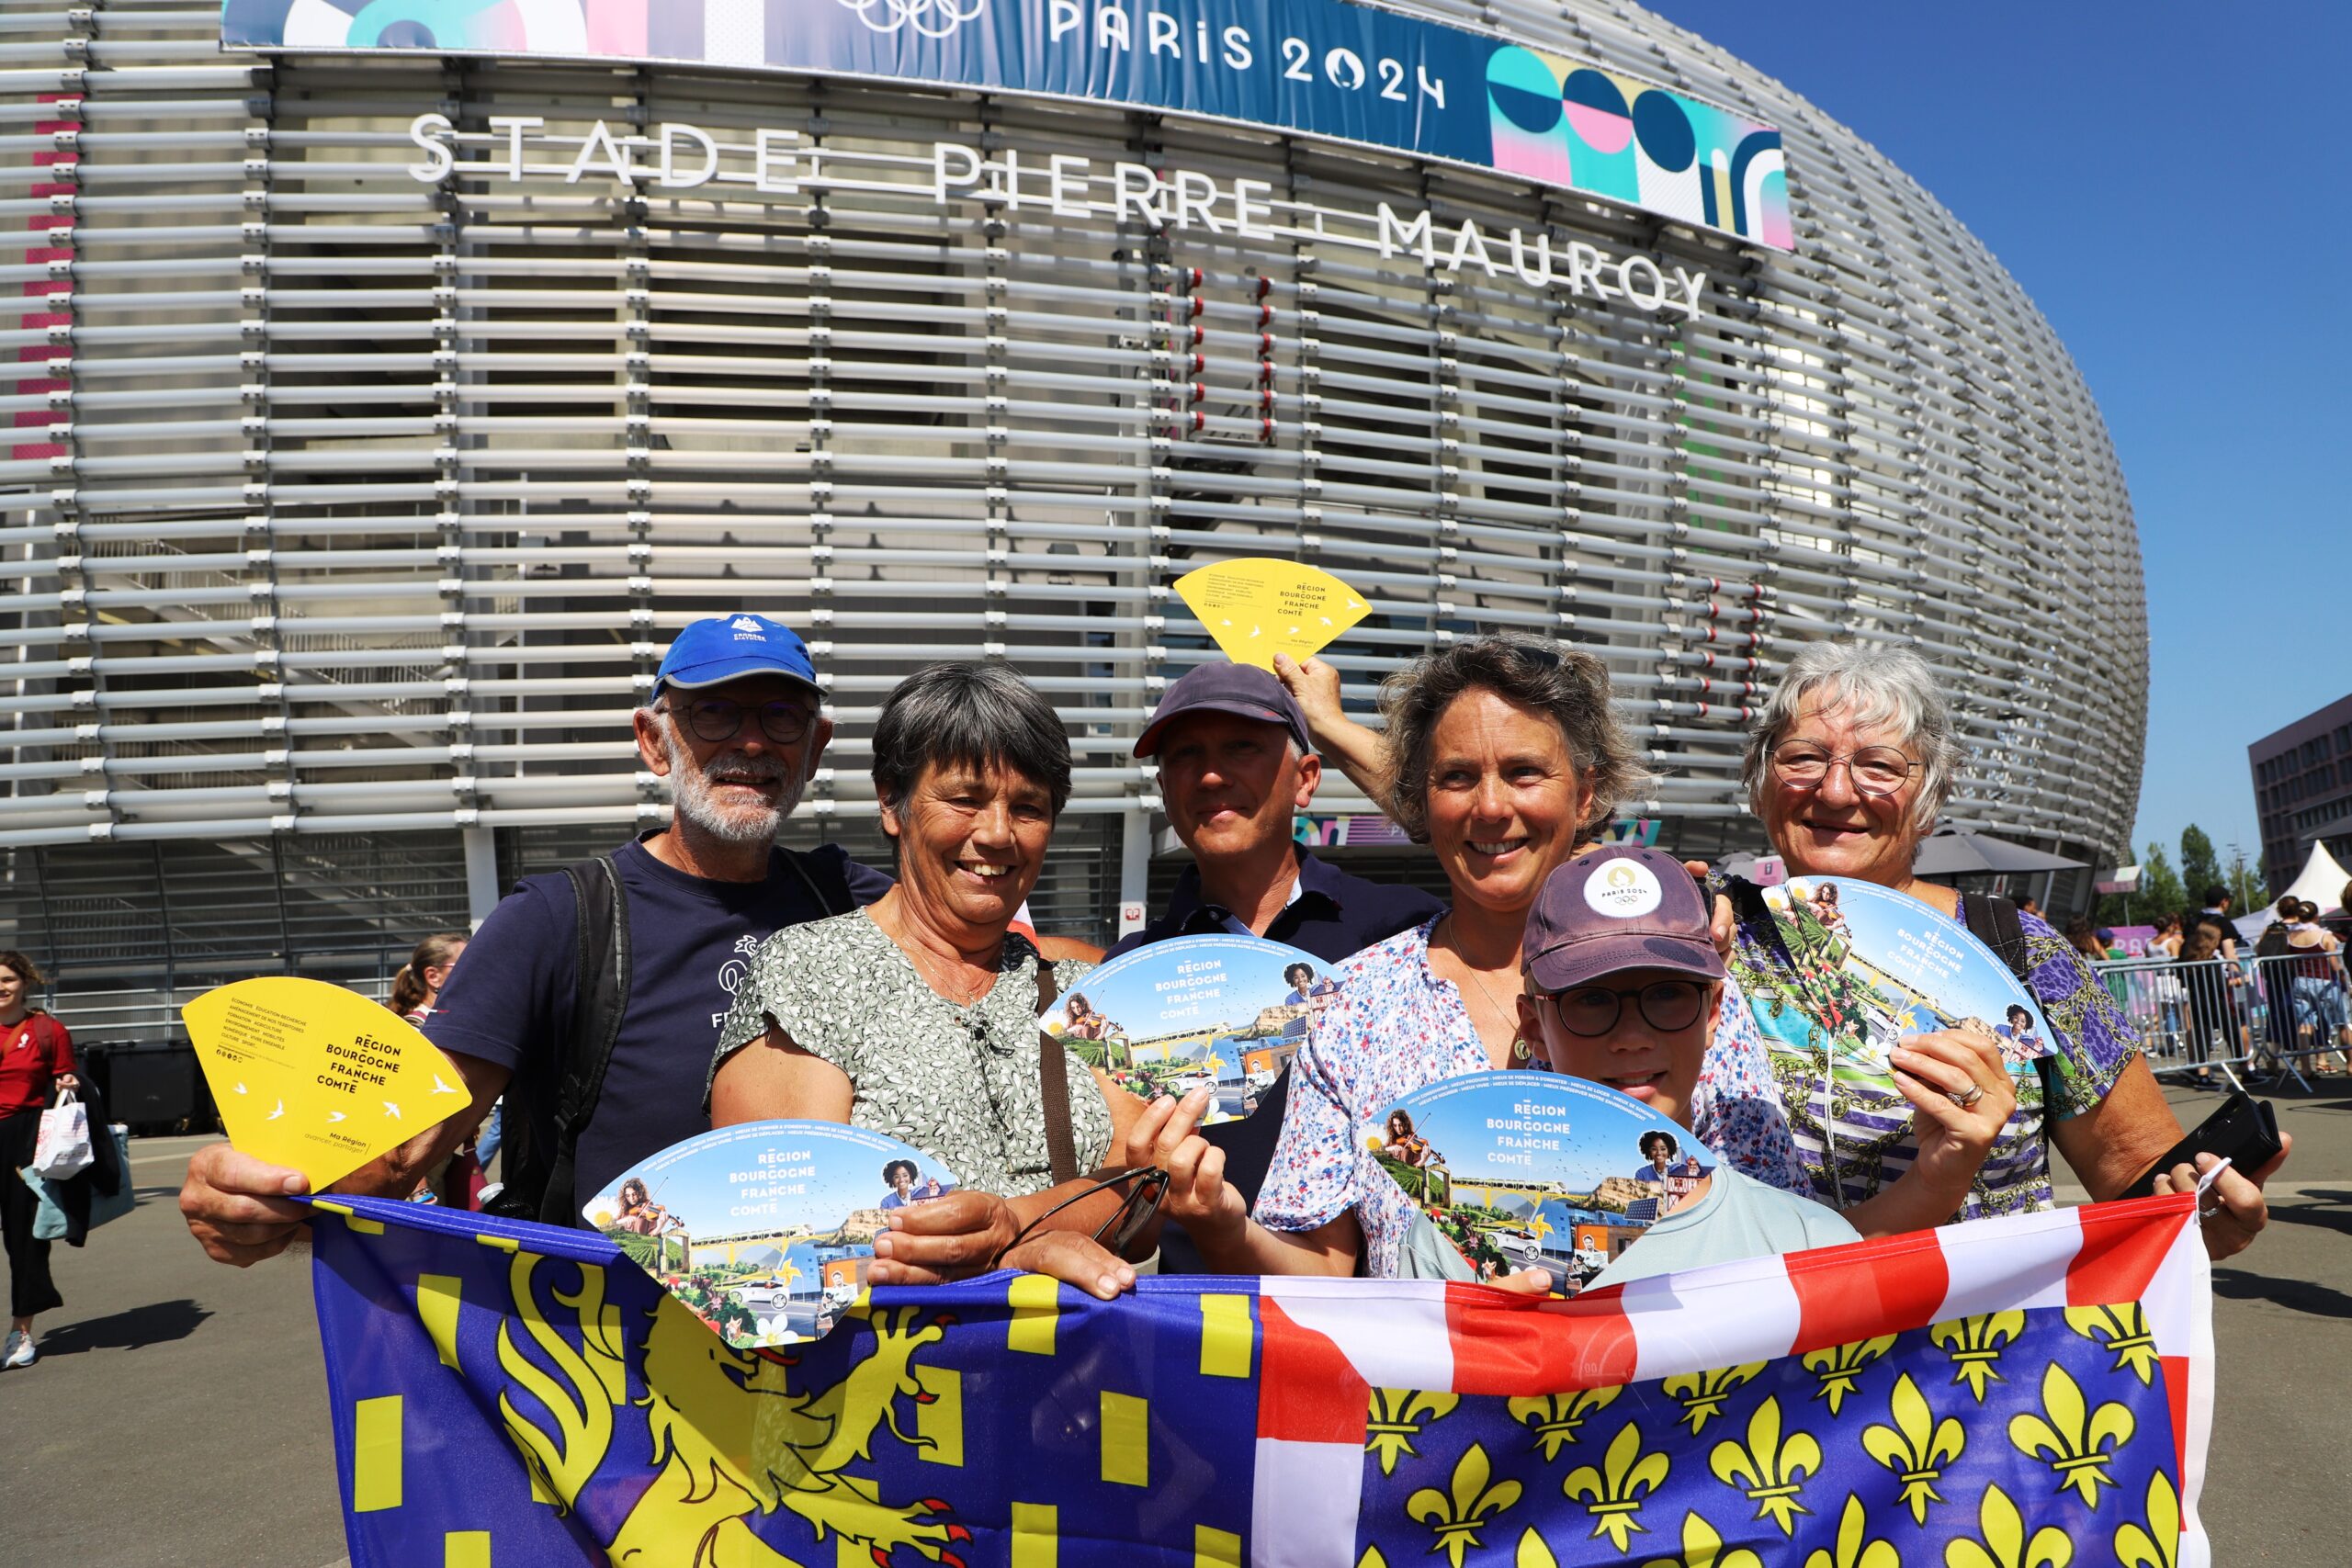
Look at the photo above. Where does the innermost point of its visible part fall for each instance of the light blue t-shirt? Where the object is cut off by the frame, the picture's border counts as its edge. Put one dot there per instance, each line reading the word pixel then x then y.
pixel 1739 1218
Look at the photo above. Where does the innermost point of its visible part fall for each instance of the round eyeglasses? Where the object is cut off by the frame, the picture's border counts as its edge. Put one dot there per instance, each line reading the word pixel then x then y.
pixel 1874 770
pixel 1590 1011
pixel 716 719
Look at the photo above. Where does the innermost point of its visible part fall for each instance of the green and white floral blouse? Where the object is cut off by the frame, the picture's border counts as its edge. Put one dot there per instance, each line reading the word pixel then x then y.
pixel 960 1083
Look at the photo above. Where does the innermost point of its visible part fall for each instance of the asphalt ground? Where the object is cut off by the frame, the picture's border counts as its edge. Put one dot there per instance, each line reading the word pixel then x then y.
pixel 179 1412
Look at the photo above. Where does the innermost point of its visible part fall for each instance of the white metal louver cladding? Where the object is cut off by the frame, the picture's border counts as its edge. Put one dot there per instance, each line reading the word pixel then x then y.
pixel 347 504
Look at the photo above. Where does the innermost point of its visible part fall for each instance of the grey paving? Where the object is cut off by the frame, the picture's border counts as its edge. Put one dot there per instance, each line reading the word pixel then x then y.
pixel 191 1396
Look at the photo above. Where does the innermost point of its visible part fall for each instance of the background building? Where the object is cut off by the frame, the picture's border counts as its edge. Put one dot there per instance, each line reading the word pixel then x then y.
pixel 2302 791
pixel 349 512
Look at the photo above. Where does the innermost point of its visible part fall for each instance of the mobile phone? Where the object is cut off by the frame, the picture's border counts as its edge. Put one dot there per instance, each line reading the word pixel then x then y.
pixel 2244 1130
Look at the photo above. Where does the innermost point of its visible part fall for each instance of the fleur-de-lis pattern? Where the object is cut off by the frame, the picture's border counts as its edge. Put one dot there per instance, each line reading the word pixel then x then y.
pixel 2010 1439
pixel 2123 1329
pixel 1397 1417
pixel 1838 1366
pixel 1555 1417
pixel 1703 1393
pixel 1770 1466
pixel 1702 1548
pixel 1974 1345
pixel 1460 1511
pixel 1613 1492
pixel 2153 1542
pixel 1853 1548
pixel 2004 1540
pixel 2075 1437
pixel 1919 1448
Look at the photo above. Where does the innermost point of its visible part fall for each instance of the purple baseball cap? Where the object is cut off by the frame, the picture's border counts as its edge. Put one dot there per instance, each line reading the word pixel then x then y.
pixel 1221 687
pixel 1617 909
pixel 727 648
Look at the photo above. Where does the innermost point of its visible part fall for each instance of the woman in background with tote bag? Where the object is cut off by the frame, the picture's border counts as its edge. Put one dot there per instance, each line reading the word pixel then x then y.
pixel 35 1060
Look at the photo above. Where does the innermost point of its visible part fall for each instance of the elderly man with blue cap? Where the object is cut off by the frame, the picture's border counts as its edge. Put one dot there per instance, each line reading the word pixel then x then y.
pixel 591 995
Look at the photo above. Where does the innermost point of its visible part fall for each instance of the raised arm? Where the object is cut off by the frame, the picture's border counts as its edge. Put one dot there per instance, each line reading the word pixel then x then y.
pixel 1352 747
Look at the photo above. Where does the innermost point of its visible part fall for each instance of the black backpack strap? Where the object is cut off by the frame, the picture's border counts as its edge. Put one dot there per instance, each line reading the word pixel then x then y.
pixel 817 890
pixel 1993 920
pixel 602 971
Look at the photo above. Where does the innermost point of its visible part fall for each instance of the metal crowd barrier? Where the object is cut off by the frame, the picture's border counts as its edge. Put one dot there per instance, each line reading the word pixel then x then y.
pixel 2263 1018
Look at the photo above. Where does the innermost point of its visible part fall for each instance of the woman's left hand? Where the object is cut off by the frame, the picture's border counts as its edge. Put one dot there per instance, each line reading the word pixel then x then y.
pixel 963 1233
pixel 1953 1139
pixel 67 1080
pixel 2234 1210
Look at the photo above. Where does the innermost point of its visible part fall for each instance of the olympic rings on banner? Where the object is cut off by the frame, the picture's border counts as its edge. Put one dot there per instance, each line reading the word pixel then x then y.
pixel 932 19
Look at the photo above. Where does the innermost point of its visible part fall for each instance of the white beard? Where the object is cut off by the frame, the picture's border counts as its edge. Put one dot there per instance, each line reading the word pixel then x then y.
pixel 690 791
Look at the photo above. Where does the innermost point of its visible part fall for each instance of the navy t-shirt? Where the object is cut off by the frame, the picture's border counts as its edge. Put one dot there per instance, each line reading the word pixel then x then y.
pixel 510 999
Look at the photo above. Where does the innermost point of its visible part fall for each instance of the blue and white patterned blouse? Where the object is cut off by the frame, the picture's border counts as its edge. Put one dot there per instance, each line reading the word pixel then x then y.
pixel 1396 1026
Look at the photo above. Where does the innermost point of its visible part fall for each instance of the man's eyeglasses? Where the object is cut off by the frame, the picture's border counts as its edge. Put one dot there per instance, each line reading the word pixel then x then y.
pixel 716 718
pixel 1874 770
pixel 1590 1011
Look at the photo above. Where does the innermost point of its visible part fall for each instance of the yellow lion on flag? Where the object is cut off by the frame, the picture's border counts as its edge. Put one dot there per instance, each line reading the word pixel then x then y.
pixel 730 1437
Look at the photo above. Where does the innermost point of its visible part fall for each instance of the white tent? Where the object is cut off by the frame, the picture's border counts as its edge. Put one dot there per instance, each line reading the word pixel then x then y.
pixel 2323 880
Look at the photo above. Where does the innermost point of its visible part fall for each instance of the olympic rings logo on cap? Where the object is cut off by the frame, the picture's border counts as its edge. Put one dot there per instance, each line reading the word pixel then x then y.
pixel 932 19
pixel 1622 889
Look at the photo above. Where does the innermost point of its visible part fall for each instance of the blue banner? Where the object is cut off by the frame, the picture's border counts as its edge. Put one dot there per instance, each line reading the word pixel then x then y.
pixel 1324 68
pixel 514 1394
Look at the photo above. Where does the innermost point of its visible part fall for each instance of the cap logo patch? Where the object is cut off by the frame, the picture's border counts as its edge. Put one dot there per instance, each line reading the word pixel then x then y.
pixel 745 624
pixel 1622 889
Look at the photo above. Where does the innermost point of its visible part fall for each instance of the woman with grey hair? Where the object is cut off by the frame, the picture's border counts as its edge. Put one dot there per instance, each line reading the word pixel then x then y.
pixel 1851 761
pixel 917 1016
pixel 1503 755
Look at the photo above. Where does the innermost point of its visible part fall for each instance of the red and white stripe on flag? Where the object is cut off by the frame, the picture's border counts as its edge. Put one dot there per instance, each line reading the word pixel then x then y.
pixel 1328 1343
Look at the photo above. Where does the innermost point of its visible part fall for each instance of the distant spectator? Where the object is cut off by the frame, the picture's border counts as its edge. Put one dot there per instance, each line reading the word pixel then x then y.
pixel 35 1060
pixel 2217 909
pixel 416 989
pixel 2029 904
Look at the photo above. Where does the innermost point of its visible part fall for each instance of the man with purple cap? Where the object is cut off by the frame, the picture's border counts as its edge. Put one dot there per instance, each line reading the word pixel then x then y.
pixel 1623 981
pixel 1236 767
pixel 593 996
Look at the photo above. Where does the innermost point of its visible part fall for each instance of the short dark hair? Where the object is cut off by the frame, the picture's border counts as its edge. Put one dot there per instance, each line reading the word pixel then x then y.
pixel 890 1171
pixel 1651 1138
pixel 2017 1009
pixel 976 714
pixel 2216 896
pixel 1299 968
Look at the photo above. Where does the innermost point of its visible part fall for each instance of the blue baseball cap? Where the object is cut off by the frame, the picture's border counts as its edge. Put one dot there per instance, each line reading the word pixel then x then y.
pixel 727 648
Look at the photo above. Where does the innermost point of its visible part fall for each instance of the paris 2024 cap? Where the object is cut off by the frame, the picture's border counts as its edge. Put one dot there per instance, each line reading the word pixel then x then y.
pixel 1618 908
pixel 727 648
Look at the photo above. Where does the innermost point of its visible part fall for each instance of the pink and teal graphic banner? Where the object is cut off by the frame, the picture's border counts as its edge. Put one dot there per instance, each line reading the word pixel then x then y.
pixel 1325 68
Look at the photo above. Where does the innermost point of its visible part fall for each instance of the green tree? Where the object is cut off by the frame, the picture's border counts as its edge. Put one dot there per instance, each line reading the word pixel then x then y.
pixel 2201 868
pixel 2160 893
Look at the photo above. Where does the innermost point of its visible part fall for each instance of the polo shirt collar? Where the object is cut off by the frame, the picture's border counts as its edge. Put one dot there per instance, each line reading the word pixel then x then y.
pixel 1314 878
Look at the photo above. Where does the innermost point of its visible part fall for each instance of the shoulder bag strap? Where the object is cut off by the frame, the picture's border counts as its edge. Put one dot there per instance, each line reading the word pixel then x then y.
pixel 1053 1086
pixel 1993 920
pixel 600 1000
pixel 823 899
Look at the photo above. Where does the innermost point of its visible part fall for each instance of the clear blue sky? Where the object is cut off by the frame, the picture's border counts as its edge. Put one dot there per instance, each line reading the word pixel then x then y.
pixel 2167 183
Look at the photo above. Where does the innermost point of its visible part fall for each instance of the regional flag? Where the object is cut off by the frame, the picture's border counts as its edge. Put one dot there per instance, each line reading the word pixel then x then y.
pixel 2033 1390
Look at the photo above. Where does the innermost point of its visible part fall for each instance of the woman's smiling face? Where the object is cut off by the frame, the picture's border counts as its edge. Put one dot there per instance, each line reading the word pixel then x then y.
pixel 1831 828
pixel 1506 798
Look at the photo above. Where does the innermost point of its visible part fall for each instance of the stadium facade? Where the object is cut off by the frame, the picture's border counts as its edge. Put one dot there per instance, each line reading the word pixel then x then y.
pixel 387 396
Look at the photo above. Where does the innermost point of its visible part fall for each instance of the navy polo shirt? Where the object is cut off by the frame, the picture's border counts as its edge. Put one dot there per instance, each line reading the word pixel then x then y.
pixel 1331 915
